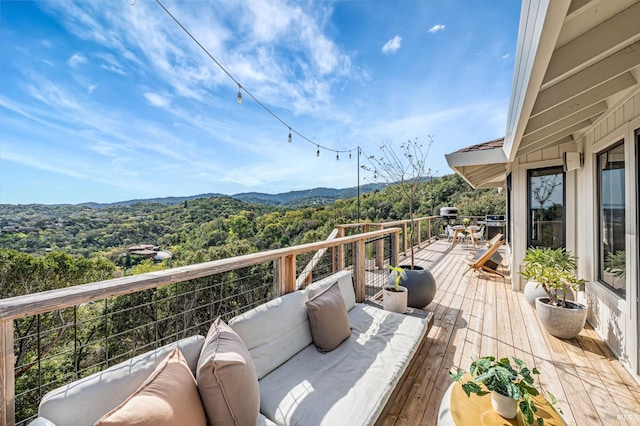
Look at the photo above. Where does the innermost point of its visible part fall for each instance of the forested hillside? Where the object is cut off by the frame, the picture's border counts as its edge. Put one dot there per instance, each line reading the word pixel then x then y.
pixel 207 228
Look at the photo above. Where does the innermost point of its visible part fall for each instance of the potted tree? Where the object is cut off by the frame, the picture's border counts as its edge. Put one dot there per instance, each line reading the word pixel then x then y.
pixel 535 261
pixel 394 296
pixel 554 271
pixel 405 171
pixel 511 387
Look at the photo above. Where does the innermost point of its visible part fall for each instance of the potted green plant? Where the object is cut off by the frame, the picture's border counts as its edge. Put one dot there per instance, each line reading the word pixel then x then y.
pixel 511 387
pixel 394 296
pixel 554 271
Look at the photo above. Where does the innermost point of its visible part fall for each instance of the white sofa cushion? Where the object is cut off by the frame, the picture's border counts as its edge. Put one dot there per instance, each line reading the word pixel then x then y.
pixel 351 384
pixel 274 331
pixel 345 280
pixel 86 400
pixel 167 397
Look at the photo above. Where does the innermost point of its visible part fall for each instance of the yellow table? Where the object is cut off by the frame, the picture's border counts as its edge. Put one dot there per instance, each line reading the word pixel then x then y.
pixel 456 409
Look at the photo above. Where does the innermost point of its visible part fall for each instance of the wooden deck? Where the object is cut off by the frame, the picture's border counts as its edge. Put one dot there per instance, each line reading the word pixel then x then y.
pixel 479 315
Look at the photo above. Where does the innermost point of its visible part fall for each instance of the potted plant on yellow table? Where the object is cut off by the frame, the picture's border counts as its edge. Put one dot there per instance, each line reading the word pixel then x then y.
pixel 511 387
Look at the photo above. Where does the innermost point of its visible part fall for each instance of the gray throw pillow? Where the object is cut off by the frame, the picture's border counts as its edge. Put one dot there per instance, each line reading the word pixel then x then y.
pixel 328 319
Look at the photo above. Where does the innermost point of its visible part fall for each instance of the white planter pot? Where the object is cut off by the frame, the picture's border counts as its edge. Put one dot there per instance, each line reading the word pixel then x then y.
pixel 394 301
pixel 564 323
pixel 369 264
pixel 503 405
pixel 532 290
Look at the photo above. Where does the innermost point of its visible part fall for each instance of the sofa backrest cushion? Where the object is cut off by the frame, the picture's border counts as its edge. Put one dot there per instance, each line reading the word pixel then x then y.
pixel 227 379
pixel 344 279
pixel 274 331
pixel 86 400
pixel 168 397
pixel 328 319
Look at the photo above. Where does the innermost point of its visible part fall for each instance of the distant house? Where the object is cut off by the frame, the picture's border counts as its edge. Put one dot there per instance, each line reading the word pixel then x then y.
pixel 150 251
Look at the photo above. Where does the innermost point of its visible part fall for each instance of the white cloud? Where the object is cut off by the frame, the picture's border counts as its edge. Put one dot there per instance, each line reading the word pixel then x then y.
pixel 157 100
pixel 76 60
pixel 91 88
pixel 436 28
pixel 392 45
pixel 506 56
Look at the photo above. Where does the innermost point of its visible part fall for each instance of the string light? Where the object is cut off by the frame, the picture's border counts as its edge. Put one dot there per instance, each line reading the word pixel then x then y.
pixel 349 155
pixel 241 88
pixel 337 157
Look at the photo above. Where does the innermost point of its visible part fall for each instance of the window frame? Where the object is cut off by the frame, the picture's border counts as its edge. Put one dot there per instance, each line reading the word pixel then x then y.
pixel 622 292
pixel 558 168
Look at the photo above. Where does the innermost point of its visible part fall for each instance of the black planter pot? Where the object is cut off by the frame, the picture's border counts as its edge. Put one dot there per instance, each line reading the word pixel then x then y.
pixel 420 284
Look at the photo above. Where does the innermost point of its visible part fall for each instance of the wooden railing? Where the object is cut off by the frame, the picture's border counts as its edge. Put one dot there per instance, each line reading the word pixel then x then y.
pixel 284 267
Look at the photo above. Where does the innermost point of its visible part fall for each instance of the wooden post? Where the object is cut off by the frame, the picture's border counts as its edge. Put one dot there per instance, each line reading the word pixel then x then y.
pixel 7 380
pixel 379 249
pixel 285 273
pixel 395 245
pixel 419 236
pixel 429 222
pixel 340 261
pixel 359 256
pixel 404 238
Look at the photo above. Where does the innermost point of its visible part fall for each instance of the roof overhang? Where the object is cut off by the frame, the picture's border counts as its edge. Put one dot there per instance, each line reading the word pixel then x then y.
pixel 576 60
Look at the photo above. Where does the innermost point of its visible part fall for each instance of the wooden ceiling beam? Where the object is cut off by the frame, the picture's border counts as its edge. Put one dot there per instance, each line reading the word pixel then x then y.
pixel 536 123
pixel 608 68
pixel 586 99
pixel 537 129
pixel 600 41
pixel 544 144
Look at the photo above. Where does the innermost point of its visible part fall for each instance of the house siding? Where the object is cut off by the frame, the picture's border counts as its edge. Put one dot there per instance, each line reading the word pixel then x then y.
pixel 613 318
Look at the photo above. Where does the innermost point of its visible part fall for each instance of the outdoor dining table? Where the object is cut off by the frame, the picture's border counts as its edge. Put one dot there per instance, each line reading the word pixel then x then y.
pixel 471 230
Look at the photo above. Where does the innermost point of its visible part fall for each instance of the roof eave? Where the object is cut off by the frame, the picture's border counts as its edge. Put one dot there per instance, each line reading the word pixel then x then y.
pixel 540 25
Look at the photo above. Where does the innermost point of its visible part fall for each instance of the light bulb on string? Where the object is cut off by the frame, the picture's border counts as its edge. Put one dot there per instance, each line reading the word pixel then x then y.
pixel 337 157
pixel 318 151
pixel 239 94
pixel 289 139
pixel 349 155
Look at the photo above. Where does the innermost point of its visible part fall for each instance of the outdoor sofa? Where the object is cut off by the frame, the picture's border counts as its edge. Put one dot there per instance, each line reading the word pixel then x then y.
pixel 295 383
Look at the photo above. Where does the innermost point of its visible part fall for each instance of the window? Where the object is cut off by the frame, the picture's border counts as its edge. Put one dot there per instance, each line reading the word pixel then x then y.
pixel 611 219
pixel 546 207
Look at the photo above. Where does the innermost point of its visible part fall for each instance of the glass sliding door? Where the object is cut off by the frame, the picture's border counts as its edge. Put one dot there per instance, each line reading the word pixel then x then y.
pixel 611 218
pixel 546 199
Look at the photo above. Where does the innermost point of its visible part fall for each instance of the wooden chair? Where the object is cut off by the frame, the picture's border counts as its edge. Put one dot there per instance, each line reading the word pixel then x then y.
pixel 479 262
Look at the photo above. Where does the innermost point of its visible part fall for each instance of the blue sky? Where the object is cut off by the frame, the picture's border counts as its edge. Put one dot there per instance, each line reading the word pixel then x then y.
pixel 106 101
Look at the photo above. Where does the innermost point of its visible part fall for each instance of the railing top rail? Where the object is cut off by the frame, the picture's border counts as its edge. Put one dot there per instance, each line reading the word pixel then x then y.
pixel 384 224
pixel 31 304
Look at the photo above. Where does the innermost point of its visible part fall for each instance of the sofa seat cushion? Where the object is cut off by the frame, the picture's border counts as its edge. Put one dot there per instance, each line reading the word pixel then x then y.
pixel 168 397
pixel 351 384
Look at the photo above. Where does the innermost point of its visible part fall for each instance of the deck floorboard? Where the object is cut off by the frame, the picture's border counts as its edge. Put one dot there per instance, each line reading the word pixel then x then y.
pixel 477 314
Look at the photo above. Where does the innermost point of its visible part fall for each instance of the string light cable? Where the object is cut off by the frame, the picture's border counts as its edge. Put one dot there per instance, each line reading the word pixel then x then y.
pixel 242 88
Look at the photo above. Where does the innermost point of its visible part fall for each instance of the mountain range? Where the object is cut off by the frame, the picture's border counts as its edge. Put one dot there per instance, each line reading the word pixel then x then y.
pixel 315 196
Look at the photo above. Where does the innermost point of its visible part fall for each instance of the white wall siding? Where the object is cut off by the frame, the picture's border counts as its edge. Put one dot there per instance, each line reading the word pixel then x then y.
pixel 614 319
